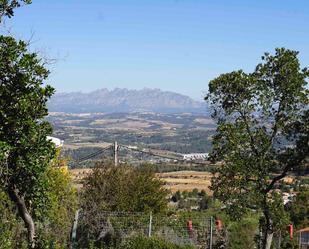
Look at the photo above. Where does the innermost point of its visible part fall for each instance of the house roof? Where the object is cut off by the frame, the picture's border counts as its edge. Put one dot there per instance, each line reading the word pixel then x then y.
pixel 306 229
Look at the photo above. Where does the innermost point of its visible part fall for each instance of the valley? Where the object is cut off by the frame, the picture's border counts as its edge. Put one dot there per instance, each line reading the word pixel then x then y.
pixel 179 133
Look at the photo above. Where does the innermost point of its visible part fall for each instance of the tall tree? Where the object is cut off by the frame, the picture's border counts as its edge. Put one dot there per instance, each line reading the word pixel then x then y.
pixel 262 134
pixel 24 150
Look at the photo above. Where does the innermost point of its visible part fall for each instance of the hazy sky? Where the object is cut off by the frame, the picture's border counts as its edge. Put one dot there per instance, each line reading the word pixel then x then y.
pixel 176 45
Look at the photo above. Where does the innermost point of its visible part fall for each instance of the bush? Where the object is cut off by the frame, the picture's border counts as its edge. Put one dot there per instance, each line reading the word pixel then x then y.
pixel 121 189
pixel 140 242
pixel 124 188
pixel 62 204
pixel 150 243
pixel 242 233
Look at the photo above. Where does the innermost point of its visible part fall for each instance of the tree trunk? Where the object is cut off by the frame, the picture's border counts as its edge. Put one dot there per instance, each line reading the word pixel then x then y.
pixel 269 239
pixel 24 214
pixel 268 232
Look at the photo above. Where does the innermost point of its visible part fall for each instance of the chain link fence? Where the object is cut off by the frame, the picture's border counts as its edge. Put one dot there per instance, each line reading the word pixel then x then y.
pixel 181 229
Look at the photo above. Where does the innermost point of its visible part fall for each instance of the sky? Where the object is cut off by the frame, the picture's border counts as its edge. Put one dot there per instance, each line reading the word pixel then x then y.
pixel 174 45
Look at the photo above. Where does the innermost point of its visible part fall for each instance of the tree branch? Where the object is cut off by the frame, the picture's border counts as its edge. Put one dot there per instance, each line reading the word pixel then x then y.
pixel 286 169
pixel 243 116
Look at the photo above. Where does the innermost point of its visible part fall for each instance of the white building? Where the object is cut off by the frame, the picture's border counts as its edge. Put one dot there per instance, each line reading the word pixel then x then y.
pixel 58 142
pixel 287 197
pixel 195 156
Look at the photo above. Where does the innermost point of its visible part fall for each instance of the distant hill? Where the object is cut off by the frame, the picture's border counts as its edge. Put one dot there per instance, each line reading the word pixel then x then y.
pixel 124 100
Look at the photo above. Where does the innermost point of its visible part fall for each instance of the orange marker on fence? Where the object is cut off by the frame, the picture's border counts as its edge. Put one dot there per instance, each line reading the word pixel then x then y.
pixel 218 224
pixel 290 230
pixel 190 228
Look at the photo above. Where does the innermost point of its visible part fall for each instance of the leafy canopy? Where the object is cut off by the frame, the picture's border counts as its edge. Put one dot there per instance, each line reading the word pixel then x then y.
pixel 124 188
pixel 121 189
pixel 299 209
pixel 7 7
pixel 262 132
pixel 24 150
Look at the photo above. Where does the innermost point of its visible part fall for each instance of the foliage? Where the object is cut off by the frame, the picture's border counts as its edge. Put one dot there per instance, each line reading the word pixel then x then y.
pixel 7 7
pixel 25 151
pixel 176 197
pixel 150 243
pixel 62 200
pixel 194 198
pixel 122 189
pixel 55 227
pixel 11 234
pixel 141 242
pixel 242 233
pixel 299 209
pixel 204 202
pixel 262 133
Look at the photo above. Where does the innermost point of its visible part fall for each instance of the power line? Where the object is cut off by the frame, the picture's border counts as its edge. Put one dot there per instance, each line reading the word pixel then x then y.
pixel 161 156
pixel 101 151
pixel 92 155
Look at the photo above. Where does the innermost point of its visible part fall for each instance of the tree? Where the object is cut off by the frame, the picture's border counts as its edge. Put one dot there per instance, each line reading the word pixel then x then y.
pixel 299 209
pixel 24 150
pixel 10 227
pixel 121 189
pixel 124 189
pixel 7 7
pixel 262 134
pixel 56 224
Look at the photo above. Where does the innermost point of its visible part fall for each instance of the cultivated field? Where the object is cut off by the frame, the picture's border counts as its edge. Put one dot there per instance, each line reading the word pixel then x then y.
pixel 174 181
pixel 186 180
pixel 182 133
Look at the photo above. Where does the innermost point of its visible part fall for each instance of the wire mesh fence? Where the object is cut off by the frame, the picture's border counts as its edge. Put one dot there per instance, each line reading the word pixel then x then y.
pixel 181 229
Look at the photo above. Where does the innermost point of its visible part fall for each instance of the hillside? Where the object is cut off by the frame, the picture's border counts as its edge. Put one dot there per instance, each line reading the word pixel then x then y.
pixel 124 100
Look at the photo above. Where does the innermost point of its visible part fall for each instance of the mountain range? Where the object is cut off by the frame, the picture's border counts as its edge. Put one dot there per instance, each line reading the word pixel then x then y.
pixel 124 100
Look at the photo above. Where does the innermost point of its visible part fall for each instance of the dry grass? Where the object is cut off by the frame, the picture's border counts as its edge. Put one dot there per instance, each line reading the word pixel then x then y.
pixel 174 181
pixel 204 121
pixel 186 180
pixel 107 121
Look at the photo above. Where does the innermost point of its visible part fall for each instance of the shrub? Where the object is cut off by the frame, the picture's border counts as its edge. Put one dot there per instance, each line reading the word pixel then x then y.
pixel 121 189
pixel 141 242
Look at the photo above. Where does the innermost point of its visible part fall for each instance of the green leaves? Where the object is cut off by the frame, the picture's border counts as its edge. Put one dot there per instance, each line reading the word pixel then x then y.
pixel 25 152
pixel 262 131
pixel 121 189
pixel 7 7
pixel 230 91
pixel 124 189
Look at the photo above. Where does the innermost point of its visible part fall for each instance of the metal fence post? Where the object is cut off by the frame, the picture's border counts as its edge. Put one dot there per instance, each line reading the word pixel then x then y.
pixel 116 153
pixel 210 242
pixel 74 229
pixel 150 224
